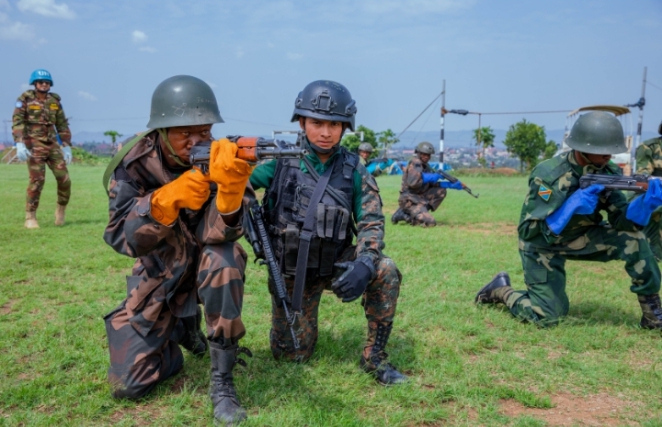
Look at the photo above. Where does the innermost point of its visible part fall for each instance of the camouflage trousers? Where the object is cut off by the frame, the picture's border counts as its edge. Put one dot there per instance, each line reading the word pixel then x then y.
pixel 653 233
pixel 379 302
pixel 419 208
pixel 143 332
pixel 42 155
pixel 545 301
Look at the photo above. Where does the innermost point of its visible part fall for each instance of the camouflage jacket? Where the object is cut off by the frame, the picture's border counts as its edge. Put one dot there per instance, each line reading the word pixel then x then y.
pixel 167 255
pixel 37 120
pixel 367 203
pixel 649 157
pixel 412 181
pixel 550 184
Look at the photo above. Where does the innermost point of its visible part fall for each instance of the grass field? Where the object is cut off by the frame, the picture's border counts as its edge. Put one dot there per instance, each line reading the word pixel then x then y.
pixel 469 365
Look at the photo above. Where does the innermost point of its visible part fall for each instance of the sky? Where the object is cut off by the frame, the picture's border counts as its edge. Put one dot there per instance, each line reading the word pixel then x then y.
pixel 106 58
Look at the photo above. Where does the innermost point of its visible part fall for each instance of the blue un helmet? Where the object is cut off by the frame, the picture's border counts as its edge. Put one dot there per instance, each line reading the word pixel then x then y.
pixel 40 74
pixel 325 100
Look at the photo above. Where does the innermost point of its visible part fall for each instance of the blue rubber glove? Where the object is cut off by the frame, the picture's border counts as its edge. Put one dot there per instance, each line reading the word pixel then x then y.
pixel 581 202
pixel 457 185
pixel 640 209
pixel 67 154
pixel 430 178
pixel 22 152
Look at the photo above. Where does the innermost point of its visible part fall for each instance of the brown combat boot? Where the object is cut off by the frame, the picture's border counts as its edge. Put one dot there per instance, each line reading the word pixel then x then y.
pixel 59 214
pixel 227 409
pixel 652 312
pixel 31 220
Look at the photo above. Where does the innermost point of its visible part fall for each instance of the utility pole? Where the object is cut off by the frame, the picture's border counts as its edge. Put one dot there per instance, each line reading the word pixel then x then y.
pixel 641 103
pixel 441 135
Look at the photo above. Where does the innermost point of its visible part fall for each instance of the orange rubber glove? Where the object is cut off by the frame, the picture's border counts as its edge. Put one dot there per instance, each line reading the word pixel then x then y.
pixel 230 174
pixel 190 190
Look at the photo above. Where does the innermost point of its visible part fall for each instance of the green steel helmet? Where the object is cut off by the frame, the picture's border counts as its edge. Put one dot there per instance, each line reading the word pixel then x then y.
pixel 183 101
pixel 659 129
pixel 325 100
pixel 597 132
pixel 425 148
pixel 366 146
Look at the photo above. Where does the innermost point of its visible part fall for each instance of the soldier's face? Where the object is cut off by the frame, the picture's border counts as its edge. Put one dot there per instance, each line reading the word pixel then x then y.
pixel 323 133
pixel 364 154
pixel 424 157
pixel 42 86
pixel 598 160
pixel 183 138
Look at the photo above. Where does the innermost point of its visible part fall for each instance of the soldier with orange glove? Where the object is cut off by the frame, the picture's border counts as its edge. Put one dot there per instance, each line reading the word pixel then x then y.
pixel 182 227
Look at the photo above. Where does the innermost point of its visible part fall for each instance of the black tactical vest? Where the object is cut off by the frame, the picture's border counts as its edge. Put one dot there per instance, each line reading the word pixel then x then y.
pixel 286 204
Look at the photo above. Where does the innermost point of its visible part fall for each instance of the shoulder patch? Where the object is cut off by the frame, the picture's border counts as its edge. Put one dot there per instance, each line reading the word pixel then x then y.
pixel 54 107
pixel 544 192
pixel 18 104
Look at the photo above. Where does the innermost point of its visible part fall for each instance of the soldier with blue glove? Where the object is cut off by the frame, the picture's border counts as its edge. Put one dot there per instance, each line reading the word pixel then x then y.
pixel 560 221
pixel 38 120
pixel 422 189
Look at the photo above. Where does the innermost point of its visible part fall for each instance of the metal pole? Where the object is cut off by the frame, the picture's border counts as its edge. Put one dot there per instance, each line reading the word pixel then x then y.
pixel 642 102
pixel 480 138
pixel 441 134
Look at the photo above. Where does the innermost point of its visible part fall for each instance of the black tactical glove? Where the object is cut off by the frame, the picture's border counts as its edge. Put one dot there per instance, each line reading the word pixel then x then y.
pixel 352 283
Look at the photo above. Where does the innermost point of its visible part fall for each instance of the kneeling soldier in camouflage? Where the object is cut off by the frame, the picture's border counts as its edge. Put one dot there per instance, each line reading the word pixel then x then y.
pixel 182 227
pixel 560 222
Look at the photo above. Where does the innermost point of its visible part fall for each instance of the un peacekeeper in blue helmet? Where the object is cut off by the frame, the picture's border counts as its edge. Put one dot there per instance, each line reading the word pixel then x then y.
pixel 560 221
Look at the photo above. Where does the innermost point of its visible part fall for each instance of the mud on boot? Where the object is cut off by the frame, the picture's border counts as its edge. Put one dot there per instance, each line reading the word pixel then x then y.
pixel 31 220
pixel 377 363
pixel 400 215
pixel 652 312
pixel 496 291
pixel 227 409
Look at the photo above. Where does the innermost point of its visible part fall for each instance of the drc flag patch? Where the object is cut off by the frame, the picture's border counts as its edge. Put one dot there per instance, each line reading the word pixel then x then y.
pixel 544 192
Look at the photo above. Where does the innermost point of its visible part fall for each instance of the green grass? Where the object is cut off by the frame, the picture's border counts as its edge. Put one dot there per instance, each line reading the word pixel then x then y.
pixel 56 283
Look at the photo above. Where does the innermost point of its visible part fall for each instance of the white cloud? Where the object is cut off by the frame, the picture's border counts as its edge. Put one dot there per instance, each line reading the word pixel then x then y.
pixel 86 95
pixel 15 30
pixel 138 36
pixel 147 49
pixel 46 8
pixel 294 56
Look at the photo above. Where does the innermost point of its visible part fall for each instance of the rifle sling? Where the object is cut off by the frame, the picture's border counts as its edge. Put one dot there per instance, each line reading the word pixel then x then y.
pixel 117 159
pixel 305 237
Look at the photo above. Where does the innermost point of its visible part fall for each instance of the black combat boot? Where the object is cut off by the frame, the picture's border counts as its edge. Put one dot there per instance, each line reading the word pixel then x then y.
pixel 377 362
pixel 190 336
pixel 652 312
pixel 227 409
pixel 496 291
pixel 400 215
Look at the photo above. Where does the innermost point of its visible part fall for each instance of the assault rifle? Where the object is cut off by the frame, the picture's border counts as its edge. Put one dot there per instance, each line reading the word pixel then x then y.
pixel 636 183
pixel 452 179
pixel 252 149
pixel 257 235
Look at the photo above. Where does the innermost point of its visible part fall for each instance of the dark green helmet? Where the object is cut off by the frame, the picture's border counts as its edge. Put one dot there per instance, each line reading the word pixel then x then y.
pixel 425 148
pixel 597 132
pixel 325 100
pixel 659 129
pixel 365 146
pixel 183 101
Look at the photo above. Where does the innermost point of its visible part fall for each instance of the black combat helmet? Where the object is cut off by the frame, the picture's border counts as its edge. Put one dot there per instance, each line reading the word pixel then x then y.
pixel 597 132
pixel 183 101
pixel 325 100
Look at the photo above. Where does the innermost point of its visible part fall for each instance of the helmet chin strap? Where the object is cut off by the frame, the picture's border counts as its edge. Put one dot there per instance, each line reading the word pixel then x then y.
pixel 164 136
pixel 591 166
